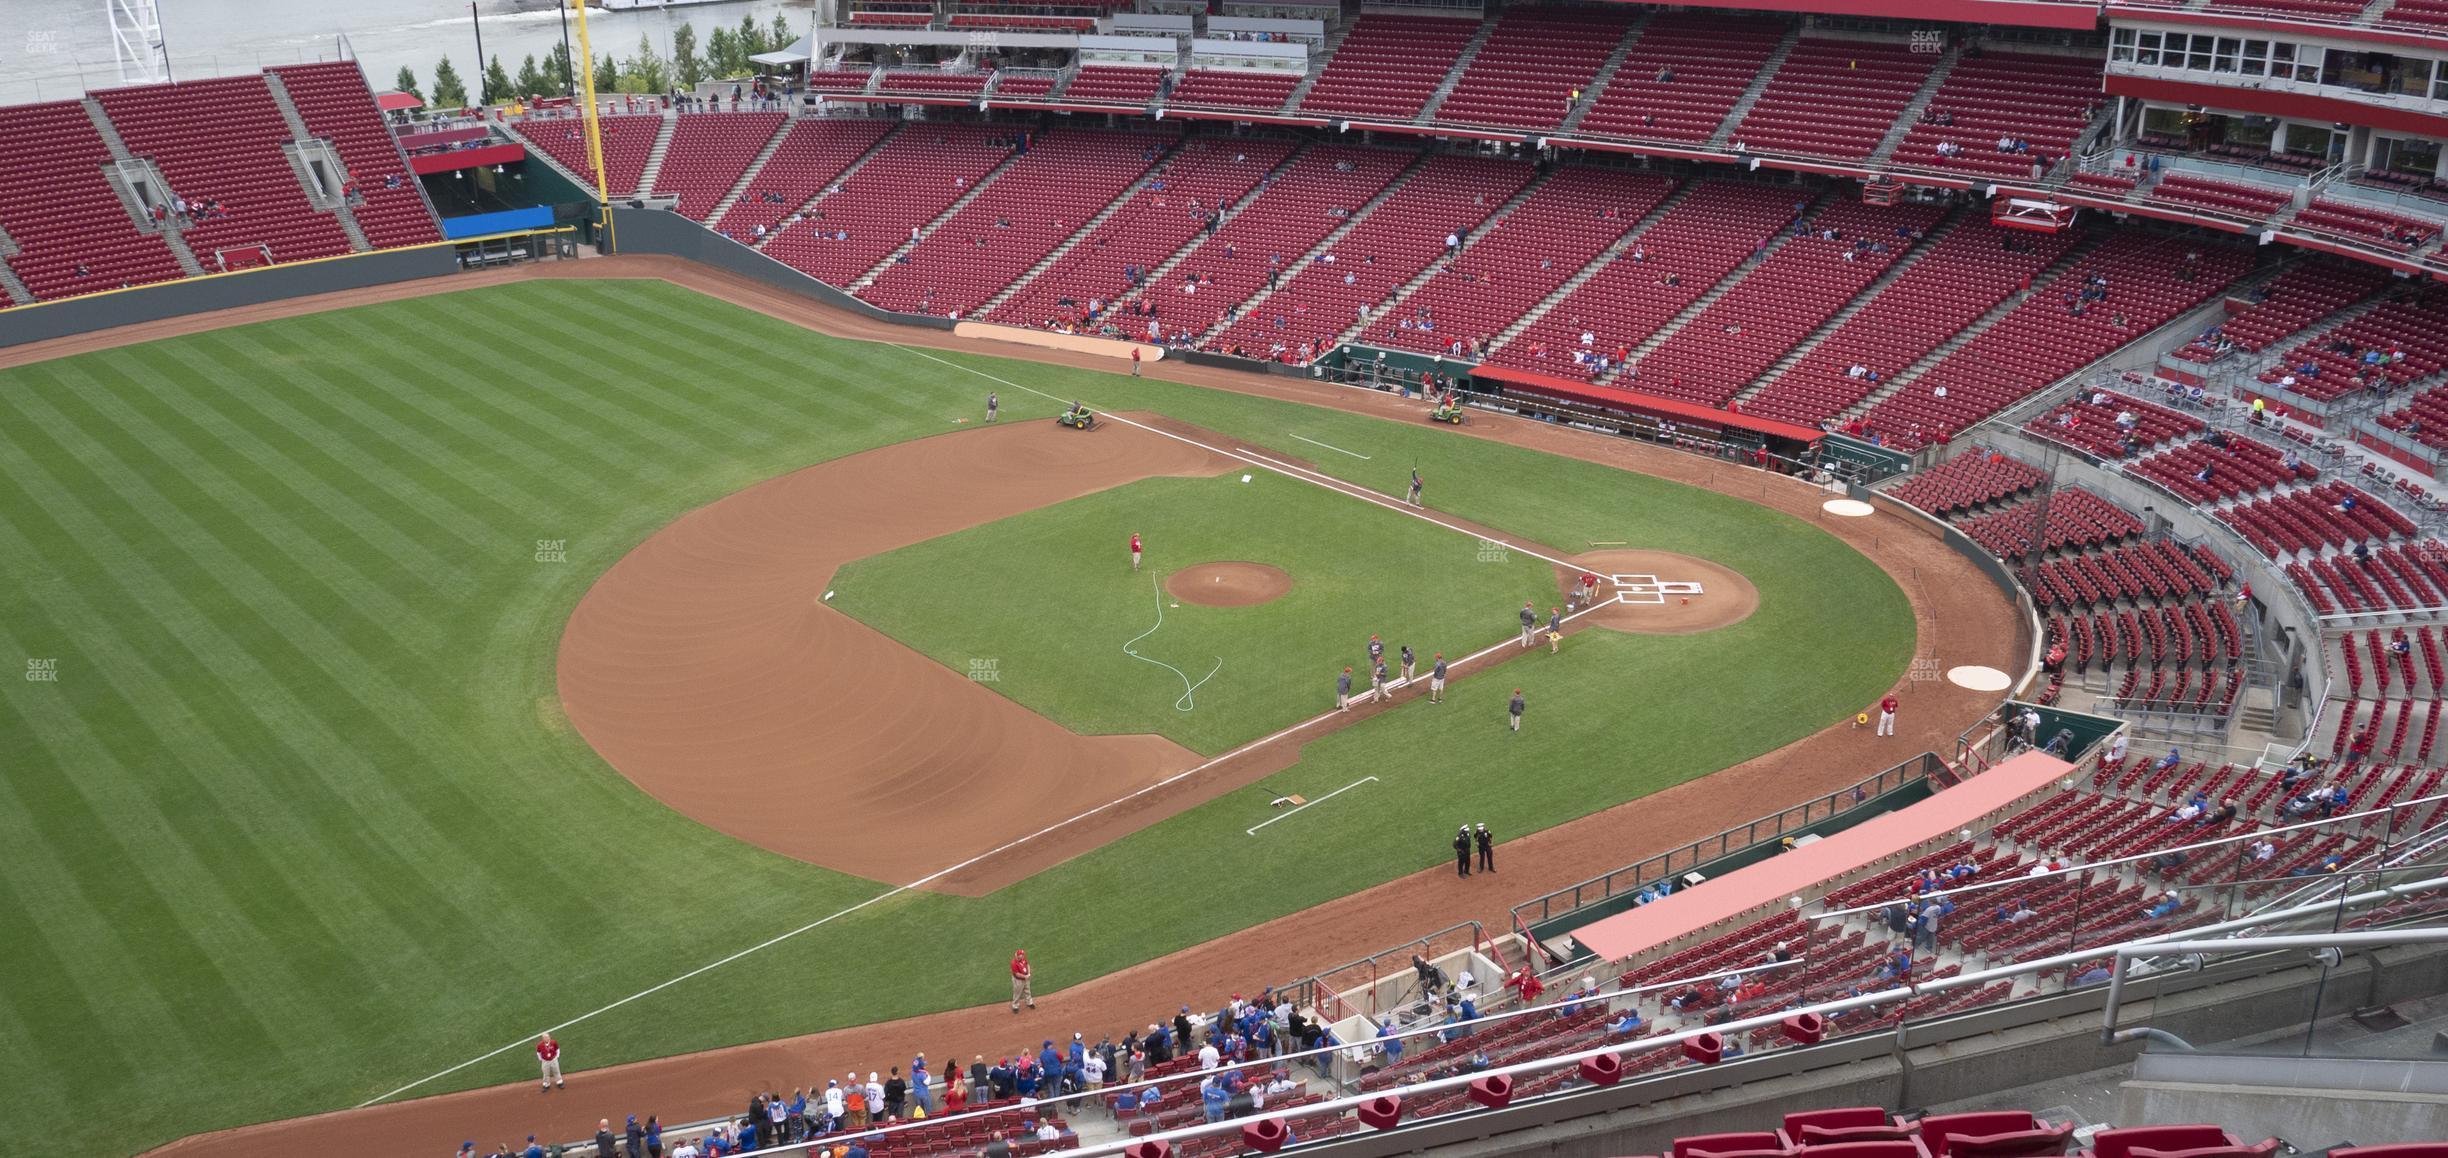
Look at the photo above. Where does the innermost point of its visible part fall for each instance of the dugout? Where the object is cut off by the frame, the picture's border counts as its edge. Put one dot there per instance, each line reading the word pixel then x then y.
pixel 1780 446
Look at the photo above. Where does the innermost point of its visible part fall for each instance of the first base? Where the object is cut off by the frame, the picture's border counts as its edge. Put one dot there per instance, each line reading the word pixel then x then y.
pixel 1245 478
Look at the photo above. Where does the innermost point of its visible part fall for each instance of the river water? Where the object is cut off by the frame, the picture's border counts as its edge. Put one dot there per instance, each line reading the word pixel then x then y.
pixel 57 49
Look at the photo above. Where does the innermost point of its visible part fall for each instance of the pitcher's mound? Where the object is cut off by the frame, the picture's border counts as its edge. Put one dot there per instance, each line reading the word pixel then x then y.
pixel 1228 584
pixel 1647 591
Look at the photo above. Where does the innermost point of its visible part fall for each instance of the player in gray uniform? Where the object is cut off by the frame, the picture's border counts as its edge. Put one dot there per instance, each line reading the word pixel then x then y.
pixel 1408 661
pixel 1436 680
pixel 1529 620
pixel 993 405
pixel 1514 710
pixel 1343 691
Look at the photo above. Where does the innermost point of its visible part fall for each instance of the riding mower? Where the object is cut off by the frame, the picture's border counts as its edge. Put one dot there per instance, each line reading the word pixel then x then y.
pixel 1447 413
pixel 1077 418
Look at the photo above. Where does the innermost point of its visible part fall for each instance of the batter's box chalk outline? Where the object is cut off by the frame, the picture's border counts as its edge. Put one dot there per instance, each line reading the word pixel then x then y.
pixel 1649 590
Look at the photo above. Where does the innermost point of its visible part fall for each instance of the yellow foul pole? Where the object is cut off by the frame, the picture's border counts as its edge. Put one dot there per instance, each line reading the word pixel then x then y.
pixel 594 133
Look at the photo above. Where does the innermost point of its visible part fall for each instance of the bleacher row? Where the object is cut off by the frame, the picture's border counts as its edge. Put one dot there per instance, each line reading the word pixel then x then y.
pixel 212 141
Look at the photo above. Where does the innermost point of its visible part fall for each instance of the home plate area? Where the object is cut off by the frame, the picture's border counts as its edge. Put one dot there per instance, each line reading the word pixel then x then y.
pixel 1661 592
pixel 1651 590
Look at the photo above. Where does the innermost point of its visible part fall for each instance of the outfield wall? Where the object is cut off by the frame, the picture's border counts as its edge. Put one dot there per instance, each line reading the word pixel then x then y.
pixel 175 299
pixel 660 231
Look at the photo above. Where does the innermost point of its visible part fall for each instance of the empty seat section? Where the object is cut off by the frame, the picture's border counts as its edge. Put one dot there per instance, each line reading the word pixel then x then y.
pixel 1388 66
pixel 1224 88
pixel 1115 84
pixel 1965 274
pixel 1795 290
pixel 1040 199
pixel 1532 63
pixel 908 182
pixel 1168 208
pixel 1689 248
pixel 1567 221
pixel 2227 198
pixel 1834 98
pixel 221 140
pixel 628 139
pixel 1449 196
pixel 933 82
pixel 811 155
pixel 73 233
pixel 2148 282
pixel 1318 192
pixel 2044 102
pixel 337 106
pixel 1682 76
pixel 707 154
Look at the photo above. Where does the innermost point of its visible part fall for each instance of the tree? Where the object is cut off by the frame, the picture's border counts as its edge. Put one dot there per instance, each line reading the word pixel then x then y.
pixel 532 82
pixel 449 91
pixel 406 82
pixel 497 86
pixel 607 74
pixel 781 34
pixel 751 40
pixel 557 69
pixel 687 67
pixel 645 71
pixel 722 53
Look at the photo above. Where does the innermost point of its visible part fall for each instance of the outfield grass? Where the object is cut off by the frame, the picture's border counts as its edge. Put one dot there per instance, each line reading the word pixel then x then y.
pixel 1054 602
pixel 299 819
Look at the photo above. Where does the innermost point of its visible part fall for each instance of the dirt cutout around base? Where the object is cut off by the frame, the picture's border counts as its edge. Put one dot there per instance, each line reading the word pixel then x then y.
pixel 1725 598
pixel 1229 584
pixel 706 666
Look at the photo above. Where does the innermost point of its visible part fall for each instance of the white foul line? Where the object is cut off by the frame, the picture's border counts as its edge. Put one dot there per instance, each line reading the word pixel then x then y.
pixel 1320 800
pixel 1285 468
pixel 1331 446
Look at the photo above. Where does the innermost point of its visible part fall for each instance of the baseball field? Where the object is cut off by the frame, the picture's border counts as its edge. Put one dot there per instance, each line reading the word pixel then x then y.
pixel 363 648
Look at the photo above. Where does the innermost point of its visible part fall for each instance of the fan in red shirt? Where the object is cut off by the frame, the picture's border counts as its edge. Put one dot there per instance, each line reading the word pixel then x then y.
pixel 1134 550
pixel 1887 709
pixel 1527 985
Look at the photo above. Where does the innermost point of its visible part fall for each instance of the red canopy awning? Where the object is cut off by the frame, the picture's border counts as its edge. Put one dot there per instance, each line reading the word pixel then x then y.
pixel 392 102
pixel 1633 401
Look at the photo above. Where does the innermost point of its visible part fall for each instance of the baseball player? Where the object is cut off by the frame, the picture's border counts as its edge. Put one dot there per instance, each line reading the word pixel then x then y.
pixel 1135 355
pixel 1436 680
pixel 1414 497
pixel 548 1052
pixel 1376 650
pixel 1343 691
pixel 1555 629
pixel 1134 550
pixel 1529 622
pixel 1407 662
pixel 1887 709
pixel 1377 683
pixel 1589 589
pixel 994 404
pixel 1514 710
